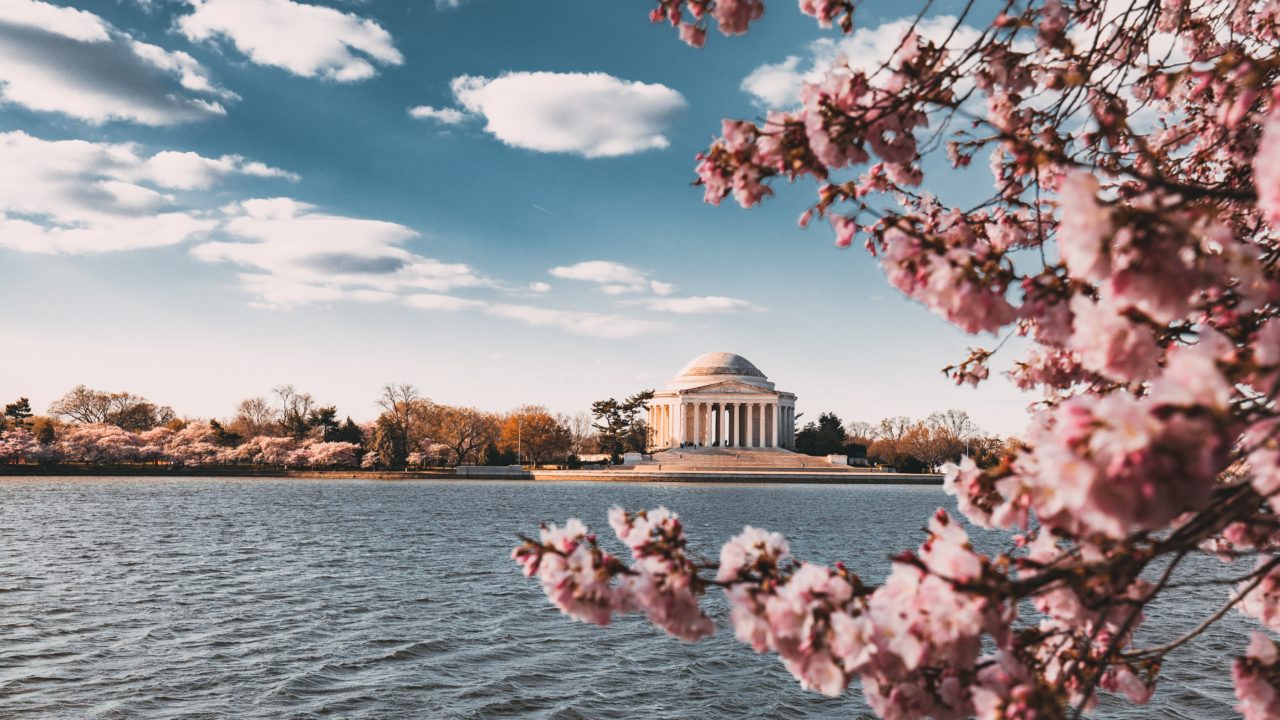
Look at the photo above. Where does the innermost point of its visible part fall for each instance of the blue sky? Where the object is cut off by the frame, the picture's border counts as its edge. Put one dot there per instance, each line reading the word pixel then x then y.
pixel 201 200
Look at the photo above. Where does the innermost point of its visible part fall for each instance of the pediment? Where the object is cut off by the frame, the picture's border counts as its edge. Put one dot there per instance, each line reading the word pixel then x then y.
pixel 730 387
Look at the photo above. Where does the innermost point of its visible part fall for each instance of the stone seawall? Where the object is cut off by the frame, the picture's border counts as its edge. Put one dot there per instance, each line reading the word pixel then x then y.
pixel 479 473
pixel 740 476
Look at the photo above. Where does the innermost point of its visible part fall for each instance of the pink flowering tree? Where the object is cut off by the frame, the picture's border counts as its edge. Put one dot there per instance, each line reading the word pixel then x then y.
pixel 100 444
pixel 1130 235
pixel 319 454
pixel 265 450
pixel 19 445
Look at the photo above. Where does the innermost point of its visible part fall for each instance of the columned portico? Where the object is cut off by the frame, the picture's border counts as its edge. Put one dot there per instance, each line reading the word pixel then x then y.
pixel 721 400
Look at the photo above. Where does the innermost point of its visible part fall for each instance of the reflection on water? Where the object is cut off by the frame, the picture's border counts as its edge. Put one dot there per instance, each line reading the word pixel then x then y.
pixel 301 598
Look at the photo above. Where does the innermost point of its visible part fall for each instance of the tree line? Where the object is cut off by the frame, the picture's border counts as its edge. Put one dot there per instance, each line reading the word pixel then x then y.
pixel 290 428
pixel 903 443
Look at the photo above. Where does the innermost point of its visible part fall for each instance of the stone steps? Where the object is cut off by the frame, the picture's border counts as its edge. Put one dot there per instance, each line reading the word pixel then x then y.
pixel 752 459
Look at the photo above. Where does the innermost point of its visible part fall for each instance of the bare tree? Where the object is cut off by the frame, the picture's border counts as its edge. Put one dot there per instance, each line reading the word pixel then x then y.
pixel 955 422
pixel 254 417
pixel 583 429
pixel 409 414
pixel 931 444
pixel 465 430
pixel 126 410
pixel 894 428
pixel 863 433
pixel 295 409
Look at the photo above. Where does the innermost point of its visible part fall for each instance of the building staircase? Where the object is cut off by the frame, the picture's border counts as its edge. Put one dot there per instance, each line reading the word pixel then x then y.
pixel 721 459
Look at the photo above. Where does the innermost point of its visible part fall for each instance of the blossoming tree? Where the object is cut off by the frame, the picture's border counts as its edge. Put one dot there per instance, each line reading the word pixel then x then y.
pixel 1131 236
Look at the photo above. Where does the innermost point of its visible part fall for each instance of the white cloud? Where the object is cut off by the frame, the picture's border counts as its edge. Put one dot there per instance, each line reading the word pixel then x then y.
pixel 75 24
pixel 661 288
pixel 306 40
pixel 613 277
pixel 540 287
pixel 444 116
pixel 58 59
pixel 697 305
pixel 778 85
pixel 303 255
pixel 75 196
pixel 436 301
pixel 589 114
pixel 189 171
pixel 575 322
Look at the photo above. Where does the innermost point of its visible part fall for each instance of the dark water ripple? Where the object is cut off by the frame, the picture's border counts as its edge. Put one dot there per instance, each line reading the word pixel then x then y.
pixel 316 599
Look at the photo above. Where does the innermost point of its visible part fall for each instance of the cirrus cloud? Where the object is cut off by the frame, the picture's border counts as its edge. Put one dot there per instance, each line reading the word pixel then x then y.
pixel 594 115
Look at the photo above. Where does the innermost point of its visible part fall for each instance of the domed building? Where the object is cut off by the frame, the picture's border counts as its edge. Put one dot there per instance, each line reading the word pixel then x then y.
pixel 721 399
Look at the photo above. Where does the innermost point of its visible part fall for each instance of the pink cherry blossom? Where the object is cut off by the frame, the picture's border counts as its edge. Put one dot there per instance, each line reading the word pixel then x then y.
pixel 1255 677
pixel 1085 228
pixel 1110 344
pixel 735 15
pixel 1262 602
pixel 1266 169
pixel 664 582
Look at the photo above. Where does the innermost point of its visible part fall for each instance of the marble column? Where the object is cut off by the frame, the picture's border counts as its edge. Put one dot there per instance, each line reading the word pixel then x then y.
pixel 773 425
pixel 764 426
pixel 678 440
pixel 697 424
pixel 666 427
pixel 751 424
pixel 671 424
pixel 715 424
pixel 723 424
pixel 781 424
pixel 732 425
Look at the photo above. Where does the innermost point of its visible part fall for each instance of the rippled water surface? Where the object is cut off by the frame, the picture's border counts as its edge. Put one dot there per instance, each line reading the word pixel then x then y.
pixel 305 598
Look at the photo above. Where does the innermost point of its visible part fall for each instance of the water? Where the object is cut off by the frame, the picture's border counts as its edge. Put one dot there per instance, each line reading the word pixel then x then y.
pixel 302 598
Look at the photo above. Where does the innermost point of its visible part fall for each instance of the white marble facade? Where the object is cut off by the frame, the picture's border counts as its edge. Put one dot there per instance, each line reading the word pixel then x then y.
pixel 721 399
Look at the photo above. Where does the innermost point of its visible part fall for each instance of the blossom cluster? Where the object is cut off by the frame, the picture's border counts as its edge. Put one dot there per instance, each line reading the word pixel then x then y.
pixel 1257 679
pixel 915 643
pixel 1132 237
pixel 664 581
pixel 591 585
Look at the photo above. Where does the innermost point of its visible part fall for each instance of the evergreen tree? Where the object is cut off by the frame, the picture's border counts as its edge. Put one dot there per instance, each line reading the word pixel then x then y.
pixel 326 420
pixel 18 411
pixel 825 437
pixel 224 437
pixel 620 426
pixel 348 432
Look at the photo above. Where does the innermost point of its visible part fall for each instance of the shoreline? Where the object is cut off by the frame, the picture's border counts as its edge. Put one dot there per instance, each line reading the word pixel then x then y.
pixel 614 476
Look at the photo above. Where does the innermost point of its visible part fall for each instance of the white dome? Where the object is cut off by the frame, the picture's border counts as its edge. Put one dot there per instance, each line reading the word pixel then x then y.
pixel 716 367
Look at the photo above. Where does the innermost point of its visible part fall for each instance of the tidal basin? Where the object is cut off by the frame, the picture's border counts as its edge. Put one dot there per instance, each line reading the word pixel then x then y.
pixel 260 598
